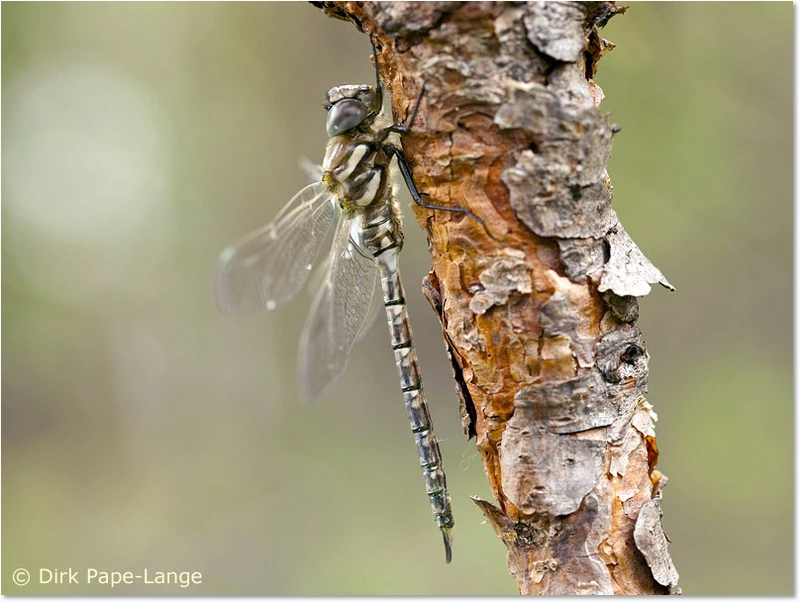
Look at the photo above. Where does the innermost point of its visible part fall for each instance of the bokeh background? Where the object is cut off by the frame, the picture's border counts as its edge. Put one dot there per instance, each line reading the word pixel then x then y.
pixel 141 429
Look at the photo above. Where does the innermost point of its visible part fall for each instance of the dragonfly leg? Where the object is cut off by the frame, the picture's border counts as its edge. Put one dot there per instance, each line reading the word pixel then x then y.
pixel 405 171
pixel 378 86
pixel 399 128
pixel 404 128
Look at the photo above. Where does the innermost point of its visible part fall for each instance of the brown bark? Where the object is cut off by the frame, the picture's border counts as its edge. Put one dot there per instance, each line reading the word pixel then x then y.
pixel 537 302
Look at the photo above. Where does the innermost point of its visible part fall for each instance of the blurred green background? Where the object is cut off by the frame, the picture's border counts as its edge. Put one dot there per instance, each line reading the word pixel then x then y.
pixel 141 429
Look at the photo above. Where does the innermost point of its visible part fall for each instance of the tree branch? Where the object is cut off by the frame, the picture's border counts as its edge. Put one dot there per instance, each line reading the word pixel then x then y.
pixel 538 302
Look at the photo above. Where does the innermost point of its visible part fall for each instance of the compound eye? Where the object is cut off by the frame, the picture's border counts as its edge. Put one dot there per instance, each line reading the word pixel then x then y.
pixel 344 116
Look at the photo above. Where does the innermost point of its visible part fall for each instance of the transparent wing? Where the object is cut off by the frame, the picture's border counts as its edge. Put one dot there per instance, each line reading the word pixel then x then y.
pixel 313 171
pixel 266 268
pixel 337 316
pixel 375 305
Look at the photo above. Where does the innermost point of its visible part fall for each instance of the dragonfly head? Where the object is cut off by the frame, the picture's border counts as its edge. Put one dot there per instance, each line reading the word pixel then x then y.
pixel 349 107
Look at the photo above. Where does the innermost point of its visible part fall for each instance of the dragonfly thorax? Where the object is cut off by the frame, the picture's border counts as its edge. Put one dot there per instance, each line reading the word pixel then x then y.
pixel 356 170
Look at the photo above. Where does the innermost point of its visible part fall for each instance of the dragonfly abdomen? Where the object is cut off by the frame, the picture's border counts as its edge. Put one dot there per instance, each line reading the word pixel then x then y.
pixel 382 238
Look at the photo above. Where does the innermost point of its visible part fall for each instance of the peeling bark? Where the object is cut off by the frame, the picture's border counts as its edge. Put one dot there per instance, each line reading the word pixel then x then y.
pixel 538 302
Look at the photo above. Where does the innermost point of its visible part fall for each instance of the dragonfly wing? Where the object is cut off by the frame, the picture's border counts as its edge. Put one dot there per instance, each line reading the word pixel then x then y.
pixel 313 171
pixel 375 305
pixel 266 268
pixel 337 316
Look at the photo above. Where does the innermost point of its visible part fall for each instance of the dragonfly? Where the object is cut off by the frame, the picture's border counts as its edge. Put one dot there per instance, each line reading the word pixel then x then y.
pixel 354 196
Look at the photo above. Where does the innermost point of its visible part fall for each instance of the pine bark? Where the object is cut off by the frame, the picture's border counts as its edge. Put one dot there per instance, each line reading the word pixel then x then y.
pixel 538 299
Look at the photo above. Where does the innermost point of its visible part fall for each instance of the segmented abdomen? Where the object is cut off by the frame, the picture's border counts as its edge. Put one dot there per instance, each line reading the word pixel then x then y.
pixel 383 238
